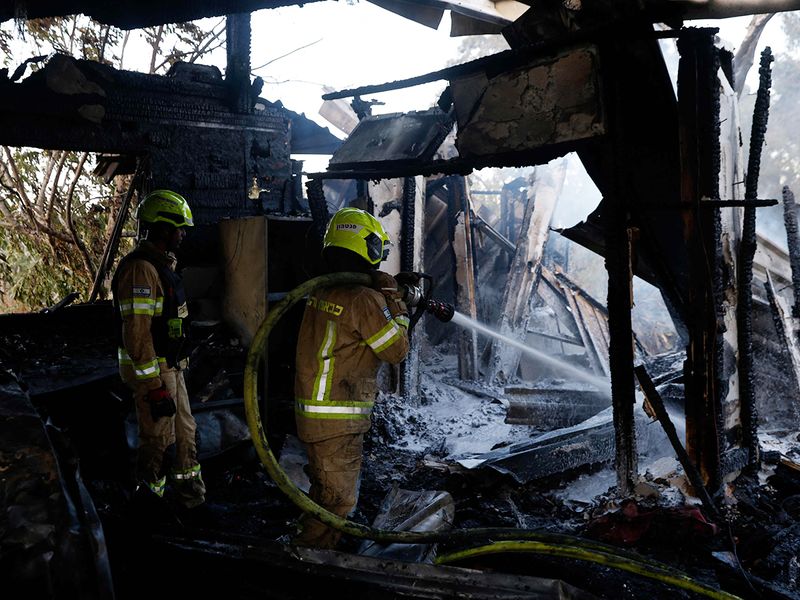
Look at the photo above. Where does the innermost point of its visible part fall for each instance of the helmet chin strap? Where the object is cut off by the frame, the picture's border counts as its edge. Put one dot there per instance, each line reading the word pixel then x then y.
pixel 155 233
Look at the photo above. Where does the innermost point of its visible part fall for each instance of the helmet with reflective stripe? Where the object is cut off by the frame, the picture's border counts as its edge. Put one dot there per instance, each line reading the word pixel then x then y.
pixel 358 231
pixel 165 206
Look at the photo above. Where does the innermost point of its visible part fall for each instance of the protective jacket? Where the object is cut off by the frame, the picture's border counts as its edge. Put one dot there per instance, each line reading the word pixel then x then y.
pixel 150 308
pixel 346 332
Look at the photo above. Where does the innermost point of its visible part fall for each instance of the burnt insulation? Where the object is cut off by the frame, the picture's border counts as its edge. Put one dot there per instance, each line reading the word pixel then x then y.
pixel 746 254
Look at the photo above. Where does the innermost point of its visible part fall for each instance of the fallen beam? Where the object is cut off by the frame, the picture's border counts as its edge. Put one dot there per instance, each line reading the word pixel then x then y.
pixel 559 451
pixel 655 402
pixel 254 565
pixel 552 407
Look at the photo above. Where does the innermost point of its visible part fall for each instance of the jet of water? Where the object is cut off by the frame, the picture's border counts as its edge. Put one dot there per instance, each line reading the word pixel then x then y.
pixel 602 384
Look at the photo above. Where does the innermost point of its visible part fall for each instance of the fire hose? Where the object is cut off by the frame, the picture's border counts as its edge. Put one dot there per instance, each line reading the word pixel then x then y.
pixel 502 539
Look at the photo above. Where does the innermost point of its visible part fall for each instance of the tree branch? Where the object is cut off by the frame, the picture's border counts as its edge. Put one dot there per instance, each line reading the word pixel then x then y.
pixel 48 171
pixel 156 44
pixel 202 49
pixel 124 45
pixel 87 260
pixel 54 191
pixel 19 186
pixel 59 235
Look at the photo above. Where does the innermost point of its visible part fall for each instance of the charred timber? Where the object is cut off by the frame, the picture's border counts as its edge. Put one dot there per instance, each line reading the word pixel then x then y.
pixel 793 242
pixel 237 74
pixel 746 254
pixel 409 216
pixel 698 107
pixel 318 206
pixel 619 236
pixel 407 240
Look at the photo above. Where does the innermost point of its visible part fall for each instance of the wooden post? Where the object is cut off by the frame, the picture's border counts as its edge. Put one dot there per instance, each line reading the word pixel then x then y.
pixel 237 73
pixel 698 94
pixel 619 239
pixel 461 240
pixel 411 259
pixel 526 263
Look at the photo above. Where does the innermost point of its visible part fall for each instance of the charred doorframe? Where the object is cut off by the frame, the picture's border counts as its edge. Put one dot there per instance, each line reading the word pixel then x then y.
pixel 698 109
pixel 619 239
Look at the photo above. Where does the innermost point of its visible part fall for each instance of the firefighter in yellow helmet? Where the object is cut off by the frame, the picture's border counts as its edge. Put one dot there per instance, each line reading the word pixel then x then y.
pixel 347 330
pixel 150 311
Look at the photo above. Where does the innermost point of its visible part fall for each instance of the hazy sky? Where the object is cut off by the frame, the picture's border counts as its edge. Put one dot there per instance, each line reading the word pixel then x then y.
pixel 359 44
pixel 354 44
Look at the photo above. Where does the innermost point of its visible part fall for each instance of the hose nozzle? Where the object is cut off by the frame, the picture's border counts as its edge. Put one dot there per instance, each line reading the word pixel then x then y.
pixel 415 295
pixel 443 311
pixel 412 294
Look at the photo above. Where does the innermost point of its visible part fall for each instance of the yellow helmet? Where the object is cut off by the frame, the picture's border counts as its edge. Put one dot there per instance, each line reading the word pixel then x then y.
pixel 358 231
pixel 165 206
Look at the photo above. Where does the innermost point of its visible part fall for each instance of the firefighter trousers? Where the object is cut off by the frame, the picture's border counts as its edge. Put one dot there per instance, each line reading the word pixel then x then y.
pixel 334 466
pixel 156 437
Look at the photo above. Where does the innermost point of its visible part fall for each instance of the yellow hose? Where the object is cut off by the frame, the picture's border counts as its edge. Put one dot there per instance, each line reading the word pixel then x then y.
pixel 602 558
pixel 255 357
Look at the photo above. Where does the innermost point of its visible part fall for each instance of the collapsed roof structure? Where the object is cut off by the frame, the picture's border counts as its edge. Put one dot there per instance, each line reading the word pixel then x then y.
pixel 583 77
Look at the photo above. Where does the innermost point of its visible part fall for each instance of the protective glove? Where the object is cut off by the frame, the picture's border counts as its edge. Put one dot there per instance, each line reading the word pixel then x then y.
pixel 384 283
pixel 407 278
pixel 161 403
pixel 387 285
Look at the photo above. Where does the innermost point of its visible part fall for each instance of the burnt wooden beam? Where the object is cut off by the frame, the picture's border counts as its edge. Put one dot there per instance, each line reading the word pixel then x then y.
pixel 599 355
pixel 136 14
pixel 411 259
pixel 698 110
pixel 493 234
pixel 557 338
pixel 747 251
pixel 552 293
pixel 619 238
pixel 237 73
pixel 711 203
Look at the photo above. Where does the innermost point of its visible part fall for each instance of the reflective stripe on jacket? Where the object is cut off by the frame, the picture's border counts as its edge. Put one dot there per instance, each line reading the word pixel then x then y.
pixel 139 294
pixel 345 334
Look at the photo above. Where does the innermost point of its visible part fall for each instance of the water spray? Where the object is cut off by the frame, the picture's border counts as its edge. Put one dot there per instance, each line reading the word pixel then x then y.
pixel 600 383
pixel 418 295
